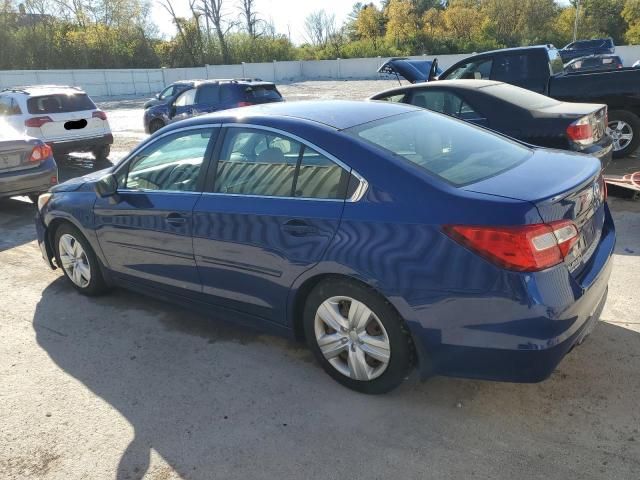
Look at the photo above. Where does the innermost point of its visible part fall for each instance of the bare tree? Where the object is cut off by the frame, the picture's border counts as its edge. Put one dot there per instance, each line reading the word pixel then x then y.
pixel 319 26
pixel 178 23
pixel 214 11
pixel 249 17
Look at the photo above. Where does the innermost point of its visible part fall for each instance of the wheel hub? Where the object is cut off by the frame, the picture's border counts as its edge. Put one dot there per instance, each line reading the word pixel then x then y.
pixel 621 134
pixel 352 338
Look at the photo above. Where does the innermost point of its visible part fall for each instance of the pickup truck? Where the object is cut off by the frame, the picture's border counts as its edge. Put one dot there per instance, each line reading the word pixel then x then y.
pixel 540 69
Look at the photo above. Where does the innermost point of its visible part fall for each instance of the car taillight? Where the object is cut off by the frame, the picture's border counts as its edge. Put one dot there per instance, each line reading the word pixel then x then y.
pixel 244 104
pixel 99 114
pixel 40 152
pixel 37 122
pixel 581 131
pixel 526 248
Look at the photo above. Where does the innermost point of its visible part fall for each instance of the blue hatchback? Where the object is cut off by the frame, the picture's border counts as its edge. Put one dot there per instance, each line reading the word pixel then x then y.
pixel 385 235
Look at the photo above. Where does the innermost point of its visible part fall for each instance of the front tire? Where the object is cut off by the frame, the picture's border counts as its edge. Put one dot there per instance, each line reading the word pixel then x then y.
pixel 624 129
pixel 357 336
pixel 155 125
pixel 78 261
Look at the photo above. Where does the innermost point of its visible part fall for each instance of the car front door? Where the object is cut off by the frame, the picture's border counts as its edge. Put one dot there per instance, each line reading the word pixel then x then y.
pixel 145 230
pixel 183 106
pixel 270 211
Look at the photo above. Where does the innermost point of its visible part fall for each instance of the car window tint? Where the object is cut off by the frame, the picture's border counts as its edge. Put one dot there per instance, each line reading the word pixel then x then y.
pixel 226 93
pixel 508 68
pixel 394 98
pixel 478 70
pixel 167 92
pixel 319 177
pixel 208 94
pixel 171 163
pixel 262 92
pixel 256 162
pixel 447 148
pixel 443 102
pixel 186 98
pixel 6 106
pixel 60 103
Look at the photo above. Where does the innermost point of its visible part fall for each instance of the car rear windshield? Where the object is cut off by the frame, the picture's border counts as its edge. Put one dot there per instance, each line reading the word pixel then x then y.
pixel 450 149
pixel 519 96
pixel 263 92
pixel 60 103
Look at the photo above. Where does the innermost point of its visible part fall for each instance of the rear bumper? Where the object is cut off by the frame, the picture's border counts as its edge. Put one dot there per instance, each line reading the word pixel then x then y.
pixel 33 180
pixel 81 145
pixel 603 151
pixel 521 332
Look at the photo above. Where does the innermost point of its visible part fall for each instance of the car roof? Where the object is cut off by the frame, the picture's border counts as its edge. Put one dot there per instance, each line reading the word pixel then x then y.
pixel 337 114
pixel 459 84
pixel 548 46
pixel 236 81
pixel 44 90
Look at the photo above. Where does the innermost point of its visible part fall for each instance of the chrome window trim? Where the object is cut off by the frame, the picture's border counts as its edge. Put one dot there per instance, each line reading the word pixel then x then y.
pixel 284 197
pixel 357 195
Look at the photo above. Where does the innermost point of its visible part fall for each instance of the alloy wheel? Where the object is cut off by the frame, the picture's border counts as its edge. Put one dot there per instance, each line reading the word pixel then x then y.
pixel 74 260
pixel 352 338
pixel 621 133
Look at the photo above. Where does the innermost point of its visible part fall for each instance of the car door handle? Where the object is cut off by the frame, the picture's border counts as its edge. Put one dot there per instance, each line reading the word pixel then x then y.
pixel 176 219
pixel 298 228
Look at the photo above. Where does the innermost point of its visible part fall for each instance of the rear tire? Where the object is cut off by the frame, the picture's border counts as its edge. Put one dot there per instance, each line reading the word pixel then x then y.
pixel 365 344
pixel 623 124
pixel 78 261
pixel 102 154
pixel 155 125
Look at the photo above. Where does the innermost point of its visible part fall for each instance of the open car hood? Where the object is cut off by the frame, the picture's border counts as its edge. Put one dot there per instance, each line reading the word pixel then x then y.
pixel 415 71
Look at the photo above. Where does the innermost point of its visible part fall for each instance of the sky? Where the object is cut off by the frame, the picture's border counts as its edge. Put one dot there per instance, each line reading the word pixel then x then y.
pixel 287 15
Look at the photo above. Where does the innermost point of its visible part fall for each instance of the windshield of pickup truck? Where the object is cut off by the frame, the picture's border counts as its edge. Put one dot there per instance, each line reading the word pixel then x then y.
pixel 449 149
pixel 519 96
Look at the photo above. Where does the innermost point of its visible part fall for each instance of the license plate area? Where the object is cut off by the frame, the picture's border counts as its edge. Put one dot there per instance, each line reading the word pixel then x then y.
pixel 10 160
pixel 75 124
pixel 590 235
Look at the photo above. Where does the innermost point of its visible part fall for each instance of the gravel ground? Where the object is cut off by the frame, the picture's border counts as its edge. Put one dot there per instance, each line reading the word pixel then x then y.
pixel 126 387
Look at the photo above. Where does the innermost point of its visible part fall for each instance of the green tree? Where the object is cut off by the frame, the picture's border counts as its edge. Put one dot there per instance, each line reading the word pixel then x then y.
pixel 370 24
pixel 402 22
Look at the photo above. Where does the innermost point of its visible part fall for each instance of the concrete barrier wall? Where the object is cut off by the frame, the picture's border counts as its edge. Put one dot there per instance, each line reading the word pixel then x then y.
pixel 118 82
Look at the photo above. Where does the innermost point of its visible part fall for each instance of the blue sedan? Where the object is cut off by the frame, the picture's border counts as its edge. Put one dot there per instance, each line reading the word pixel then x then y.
pixel 385 235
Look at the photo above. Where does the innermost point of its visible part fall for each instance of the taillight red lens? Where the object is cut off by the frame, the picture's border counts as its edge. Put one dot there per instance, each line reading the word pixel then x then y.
pixel 40 153
pixel 99 114
pixel 37 122
pixel 526 248
pixel 244 104
pixel 581 131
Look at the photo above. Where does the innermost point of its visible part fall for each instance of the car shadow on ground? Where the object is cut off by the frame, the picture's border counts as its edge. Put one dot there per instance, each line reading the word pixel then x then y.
pixel 16 222
pixel 215 400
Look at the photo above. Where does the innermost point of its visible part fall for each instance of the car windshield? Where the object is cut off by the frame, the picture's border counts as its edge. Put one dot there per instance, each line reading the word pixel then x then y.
pixel 60 103
pixel 450 149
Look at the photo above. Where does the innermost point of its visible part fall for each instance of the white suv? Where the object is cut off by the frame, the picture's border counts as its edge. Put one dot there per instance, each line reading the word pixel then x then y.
pixel 63 117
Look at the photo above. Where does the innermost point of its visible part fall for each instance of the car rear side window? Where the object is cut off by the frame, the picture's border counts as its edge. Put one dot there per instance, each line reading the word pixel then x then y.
pixel 263 163
pixel 8 107
pixel 447 148
pixel 444 102
pixel 59 103
pixel 171 163
pixel 474 70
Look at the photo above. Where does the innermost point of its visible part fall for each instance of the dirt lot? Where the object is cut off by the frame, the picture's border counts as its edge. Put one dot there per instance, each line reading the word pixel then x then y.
pixel 125 387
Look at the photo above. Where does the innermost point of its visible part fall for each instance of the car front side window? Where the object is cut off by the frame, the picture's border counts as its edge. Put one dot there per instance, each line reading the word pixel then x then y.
pixel 172 163
pixel 167 92
pixel 478 70
pixel 186 98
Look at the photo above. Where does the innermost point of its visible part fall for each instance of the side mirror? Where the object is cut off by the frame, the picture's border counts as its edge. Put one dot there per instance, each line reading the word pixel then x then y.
pixel 107 186
pixel 157 95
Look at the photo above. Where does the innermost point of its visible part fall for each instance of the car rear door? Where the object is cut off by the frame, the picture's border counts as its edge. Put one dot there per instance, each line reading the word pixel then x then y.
pixel 63 117
pixel 272 205
pixel 145 233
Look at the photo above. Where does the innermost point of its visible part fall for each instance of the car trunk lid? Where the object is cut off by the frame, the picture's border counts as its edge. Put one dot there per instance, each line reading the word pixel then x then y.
pixel 15 151
pixel 570 188
pixel 414 71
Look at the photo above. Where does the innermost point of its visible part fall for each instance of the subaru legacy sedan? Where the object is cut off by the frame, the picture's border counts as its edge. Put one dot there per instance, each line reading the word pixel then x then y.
pixel 385 235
